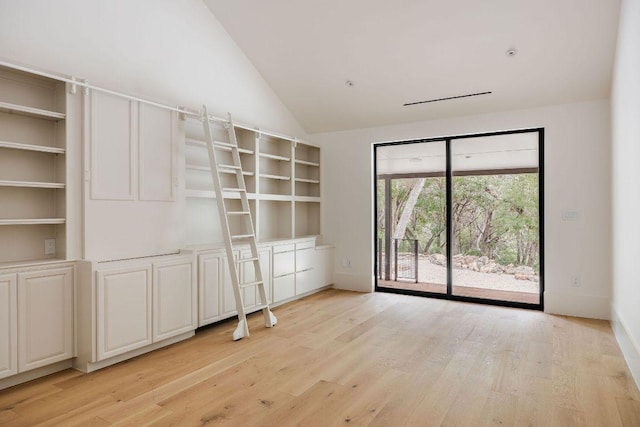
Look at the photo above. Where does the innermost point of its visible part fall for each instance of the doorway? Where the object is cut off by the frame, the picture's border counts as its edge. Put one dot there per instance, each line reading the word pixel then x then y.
pixel 461 217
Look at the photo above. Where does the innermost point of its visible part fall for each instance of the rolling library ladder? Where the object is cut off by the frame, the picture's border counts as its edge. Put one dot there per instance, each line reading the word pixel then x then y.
pixel 237 225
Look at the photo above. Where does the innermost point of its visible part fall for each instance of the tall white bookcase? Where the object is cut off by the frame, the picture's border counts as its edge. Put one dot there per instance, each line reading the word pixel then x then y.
pixel 282 178
pixel 33 168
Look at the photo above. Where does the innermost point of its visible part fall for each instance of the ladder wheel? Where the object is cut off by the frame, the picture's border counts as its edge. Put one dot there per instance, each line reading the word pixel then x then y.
pixel 240 331
pixel 273 320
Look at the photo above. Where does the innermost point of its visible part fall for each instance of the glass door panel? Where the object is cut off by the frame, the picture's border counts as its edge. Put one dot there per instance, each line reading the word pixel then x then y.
pixel 411 217
pixel 495 234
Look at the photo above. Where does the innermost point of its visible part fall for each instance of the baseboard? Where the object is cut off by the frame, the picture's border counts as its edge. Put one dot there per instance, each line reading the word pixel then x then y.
pixel 630 348
pixel 591 306
pixel 34 374
pixel 353 282
pixel 94 366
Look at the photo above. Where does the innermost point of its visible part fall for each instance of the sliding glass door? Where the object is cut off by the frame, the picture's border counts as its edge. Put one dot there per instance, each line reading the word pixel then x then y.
pixel 411 217
pixel 460 217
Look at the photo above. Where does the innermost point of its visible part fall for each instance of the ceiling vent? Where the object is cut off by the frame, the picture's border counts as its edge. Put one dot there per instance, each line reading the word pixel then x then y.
pixel 445 99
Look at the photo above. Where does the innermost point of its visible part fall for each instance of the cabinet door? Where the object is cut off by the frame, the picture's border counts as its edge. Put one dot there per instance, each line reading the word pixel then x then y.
pixel 251 295
pixel 8 326
pixel 227 296
pixel 45 317
pixel 211 270
pixel 113 147
pixel 156 164
pixel 123 310
pixel 174 299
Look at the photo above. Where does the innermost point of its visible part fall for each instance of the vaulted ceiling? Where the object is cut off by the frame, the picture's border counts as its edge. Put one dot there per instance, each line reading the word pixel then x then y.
pixel 404 51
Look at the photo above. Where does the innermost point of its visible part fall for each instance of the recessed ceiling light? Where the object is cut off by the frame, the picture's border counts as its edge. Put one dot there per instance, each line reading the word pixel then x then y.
pixel 349 83
pixel 512 52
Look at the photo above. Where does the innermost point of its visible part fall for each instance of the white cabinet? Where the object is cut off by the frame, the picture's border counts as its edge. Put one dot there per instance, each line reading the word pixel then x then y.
pixel 216 298
pixel 174 299
pixel 282 178
pixel 45 317
pixel 142 303
pixel 212 270
pixel 8 326
pixel 34 183
pixel 123 310
pixel 251 295
pixel 284 270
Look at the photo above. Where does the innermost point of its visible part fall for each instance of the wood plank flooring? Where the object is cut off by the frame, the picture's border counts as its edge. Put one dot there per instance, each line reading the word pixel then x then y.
pixel 341 358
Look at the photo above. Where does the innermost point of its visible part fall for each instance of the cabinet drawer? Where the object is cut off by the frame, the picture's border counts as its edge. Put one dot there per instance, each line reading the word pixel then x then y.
pixel 284 287
pixel 306 245
pixel 306 281
pixel 283 263
pixel 304 259
pixel 284 248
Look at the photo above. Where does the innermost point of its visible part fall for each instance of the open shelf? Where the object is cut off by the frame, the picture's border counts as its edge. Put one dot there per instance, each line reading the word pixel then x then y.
pixel 277 177
pixel 32 221
pixel 33 167
pixel 304 162
pixel 30 111
pixel 31 147
pixel 31 184
pixel 280 176
pixel 308 181
pixel 275 157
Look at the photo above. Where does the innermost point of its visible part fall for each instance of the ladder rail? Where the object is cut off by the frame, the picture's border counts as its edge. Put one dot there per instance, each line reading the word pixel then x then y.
pixel 268 316
pixel 242 330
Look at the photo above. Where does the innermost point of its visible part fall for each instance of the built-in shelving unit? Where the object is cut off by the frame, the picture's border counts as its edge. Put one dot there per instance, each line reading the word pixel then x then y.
pixel 32 167
pixel 282 178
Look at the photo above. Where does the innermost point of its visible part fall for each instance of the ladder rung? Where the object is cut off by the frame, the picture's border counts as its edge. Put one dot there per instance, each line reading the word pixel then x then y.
pixel 242 236
pixel 221 144
pixel 249 284
pixel 233 190
pixel 242 260
pixel 238 213
pixel 229 167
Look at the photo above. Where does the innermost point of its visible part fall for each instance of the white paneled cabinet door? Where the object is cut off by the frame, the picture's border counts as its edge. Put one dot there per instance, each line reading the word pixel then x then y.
pixel 45 317
pixel 8 326
pixel 123 310
pixel 211 267
pixel 251 295
pixel 174 299
pixel 156 160
pixel 113 147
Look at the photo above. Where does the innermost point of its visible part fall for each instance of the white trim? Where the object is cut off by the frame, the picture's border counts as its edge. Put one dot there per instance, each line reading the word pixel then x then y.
pixel 630 348
pixel 578 305
pixel 353 282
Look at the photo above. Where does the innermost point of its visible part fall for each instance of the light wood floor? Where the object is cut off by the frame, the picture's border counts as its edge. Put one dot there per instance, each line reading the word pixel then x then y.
pixel 340 358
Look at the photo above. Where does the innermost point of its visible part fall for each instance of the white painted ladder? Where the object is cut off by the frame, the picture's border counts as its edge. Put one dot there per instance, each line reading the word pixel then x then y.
pixel 240 220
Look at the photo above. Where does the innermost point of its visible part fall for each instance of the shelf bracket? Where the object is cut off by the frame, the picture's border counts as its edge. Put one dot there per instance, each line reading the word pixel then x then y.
pixel 73 88
pixel 181 113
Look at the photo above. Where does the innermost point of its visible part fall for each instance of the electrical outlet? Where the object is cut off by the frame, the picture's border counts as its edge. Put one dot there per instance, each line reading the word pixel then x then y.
pixel 49 246
pixel 575 281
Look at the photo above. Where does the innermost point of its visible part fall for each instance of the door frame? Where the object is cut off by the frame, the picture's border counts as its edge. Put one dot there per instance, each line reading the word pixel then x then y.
pixel 449 196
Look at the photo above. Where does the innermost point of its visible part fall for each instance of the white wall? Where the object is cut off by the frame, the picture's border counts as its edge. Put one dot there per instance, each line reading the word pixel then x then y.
pixel 577 176
pixel 625 105
pixel 171 50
